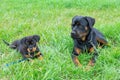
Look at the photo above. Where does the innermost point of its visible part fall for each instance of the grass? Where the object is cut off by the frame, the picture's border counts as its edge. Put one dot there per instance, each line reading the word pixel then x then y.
pixel 51 19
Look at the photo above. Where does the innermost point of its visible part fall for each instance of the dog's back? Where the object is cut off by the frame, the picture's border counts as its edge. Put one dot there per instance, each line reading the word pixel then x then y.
pixel 100 37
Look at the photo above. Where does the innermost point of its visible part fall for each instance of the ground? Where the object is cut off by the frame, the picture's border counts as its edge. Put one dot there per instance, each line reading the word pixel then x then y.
pixel 51 19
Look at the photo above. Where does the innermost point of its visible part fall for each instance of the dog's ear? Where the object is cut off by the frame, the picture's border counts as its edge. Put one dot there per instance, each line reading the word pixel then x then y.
pixel 23 40
pixel 73 19
pixel 36 37
pixel 91 21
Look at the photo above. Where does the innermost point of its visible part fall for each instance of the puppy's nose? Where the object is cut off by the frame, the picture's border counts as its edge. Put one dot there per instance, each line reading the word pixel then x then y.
pixel 73 32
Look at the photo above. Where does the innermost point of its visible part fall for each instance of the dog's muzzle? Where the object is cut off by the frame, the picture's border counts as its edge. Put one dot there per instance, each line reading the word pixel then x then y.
pixel 75 35
pixel 79 35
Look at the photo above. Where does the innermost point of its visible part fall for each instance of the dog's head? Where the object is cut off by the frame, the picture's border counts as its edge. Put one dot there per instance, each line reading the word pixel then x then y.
pixel 81 26
pixel 30 43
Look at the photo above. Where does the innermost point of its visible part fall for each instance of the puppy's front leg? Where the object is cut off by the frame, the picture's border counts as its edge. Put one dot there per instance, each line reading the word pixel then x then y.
pixel 27 57
pixel 39 56
pixel 75 53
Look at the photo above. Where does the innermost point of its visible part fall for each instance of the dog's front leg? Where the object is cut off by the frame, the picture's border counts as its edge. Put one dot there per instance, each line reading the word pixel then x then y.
pixel 75 53
pixel 93 59
pixel 95 55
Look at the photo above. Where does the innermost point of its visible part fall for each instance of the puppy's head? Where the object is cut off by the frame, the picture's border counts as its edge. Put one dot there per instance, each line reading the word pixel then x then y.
pixel 30 43
pixel 81 26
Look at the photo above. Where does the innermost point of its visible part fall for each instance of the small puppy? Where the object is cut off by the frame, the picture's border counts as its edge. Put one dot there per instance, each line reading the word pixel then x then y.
pixel 86 38
pixel 27 46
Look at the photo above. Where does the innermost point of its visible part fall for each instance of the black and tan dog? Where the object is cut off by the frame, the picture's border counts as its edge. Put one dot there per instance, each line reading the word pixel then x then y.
pixel 86 38
pixel 27 46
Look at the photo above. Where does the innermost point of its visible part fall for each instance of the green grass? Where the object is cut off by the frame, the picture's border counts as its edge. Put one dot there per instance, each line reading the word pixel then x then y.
pixel 51 19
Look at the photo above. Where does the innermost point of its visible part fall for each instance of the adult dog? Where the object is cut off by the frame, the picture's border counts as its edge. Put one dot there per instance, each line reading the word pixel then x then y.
pixel 86 38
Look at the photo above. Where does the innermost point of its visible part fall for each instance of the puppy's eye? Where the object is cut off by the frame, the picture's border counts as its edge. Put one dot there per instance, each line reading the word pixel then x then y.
pixel 27 42
pixel 78 23
pixel 32 42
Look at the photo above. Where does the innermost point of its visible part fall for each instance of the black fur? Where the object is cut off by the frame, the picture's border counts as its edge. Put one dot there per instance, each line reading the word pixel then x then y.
pixel 83 34
pixel 27 46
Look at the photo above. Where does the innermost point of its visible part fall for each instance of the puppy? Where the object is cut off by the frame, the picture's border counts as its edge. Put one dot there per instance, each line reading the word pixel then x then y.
pixel 86 38
pixel 27 46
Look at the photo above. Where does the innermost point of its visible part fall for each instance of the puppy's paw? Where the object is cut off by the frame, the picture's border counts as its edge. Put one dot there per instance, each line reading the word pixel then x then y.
pixel 30 60
pixel 40 57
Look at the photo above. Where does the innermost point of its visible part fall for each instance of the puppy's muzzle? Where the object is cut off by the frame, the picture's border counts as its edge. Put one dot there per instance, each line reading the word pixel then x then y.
pixel 31 49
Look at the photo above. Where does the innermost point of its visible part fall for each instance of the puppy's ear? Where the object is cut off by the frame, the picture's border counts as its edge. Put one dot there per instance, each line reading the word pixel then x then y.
pixel 91 21
pixel 23 40
pixel 36 37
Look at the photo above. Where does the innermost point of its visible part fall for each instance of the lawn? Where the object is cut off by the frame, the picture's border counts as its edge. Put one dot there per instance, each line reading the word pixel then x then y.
pixel 51 19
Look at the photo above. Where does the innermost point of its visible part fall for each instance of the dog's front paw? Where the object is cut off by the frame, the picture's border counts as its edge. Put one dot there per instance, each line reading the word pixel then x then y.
pixel 89 66
pixel 79 65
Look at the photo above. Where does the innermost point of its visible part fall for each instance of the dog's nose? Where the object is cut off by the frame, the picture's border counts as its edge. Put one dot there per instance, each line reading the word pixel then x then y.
pixel 73 32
